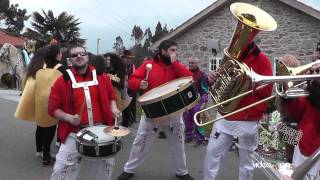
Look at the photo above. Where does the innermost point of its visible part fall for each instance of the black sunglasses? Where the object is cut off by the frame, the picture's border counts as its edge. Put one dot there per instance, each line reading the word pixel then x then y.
pixel 81 54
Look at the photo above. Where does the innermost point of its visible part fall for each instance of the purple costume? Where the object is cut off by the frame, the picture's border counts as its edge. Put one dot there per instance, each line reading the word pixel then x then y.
pixel 192 130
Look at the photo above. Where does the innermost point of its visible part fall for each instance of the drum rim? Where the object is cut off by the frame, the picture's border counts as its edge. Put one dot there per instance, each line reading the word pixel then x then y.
pixel 171 92
pixel 104 143
pixel 91 146
pixel 115 139
pixel 176 112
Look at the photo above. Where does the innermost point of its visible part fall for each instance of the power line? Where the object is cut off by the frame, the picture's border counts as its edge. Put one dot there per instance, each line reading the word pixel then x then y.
pixel 115 16
pixel 99 16
pixel 119 17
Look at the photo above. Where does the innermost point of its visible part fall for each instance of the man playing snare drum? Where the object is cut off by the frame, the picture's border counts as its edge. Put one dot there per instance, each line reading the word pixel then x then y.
pixel 79 98
pixel 165 68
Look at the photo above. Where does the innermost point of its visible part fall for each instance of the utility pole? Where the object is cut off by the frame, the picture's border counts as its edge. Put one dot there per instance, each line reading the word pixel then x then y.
pixel 98 40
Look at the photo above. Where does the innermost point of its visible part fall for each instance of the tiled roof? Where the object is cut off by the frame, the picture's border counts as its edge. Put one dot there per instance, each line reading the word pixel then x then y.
pixel 7 38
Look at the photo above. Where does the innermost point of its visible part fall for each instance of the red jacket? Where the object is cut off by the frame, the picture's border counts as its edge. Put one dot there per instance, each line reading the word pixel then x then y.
pixel 309 123
pixel 61 97
pixel 261 65
pixel 159 74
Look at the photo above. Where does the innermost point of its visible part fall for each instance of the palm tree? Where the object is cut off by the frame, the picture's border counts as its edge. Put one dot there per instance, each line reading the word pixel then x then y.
pixel 64 28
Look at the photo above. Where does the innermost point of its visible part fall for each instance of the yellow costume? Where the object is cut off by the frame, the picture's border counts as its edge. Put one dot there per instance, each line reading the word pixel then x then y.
pixel 33 104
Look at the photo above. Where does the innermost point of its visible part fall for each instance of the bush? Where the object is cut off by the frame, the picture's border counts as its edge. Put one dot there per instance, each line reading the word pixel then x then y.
pixel 7 79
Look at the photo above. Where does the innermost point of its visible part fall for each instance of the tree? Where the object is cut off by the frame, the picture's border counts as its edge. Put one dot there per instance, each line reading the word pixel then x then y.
pixel 13 17
pixel 141 52
pixel 158 33
pixel 64 28
pixel 147 38
pixel 118 45
pixel 165 30
pixel 4 5
pixel 137 35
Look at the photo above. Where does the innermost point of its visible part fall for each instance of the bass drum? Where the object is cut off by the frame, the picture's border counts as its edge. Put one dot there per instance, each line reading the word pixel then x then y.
pixel 169 99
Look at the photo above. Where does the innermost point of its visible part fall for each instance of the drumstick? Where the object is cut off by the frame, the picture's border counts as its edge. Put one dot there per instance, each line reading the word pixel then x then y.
pixel 116 127
pixel 148 67
pixel 81 110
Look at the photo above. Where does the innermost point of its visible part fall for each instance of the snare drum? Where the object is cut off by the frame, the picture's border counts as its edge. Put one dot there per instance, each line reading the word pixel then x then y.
pixel 170 98
pixel 93 142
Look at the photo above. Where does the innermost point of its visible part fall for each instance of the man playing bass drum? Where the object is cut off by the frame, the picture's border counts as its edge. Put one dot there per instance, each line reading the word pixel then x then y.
pixel 165 68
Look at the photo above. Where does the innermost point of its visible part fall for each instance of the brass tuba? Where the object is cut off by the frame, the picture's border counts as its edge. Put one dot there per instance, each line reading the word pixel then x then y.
pixel 233 73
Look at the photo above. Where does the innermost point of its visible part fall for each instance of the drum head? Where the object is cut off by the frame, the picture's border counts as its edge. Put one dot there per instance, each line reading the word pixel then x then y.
pixel 102 136
pixel 165 90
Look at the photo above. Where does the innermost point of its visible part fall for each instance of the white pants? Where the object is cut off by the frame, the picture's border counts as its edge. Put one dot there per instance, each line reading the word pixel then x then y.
pixel 298 159
pixel 247 134
pixel 68 161
pixel 146 134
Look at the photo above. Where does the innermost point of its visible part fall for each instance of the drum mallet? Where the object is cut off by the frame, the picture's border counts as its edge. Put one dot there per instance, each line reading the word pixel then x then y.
pixel 148 67
pixel 116 127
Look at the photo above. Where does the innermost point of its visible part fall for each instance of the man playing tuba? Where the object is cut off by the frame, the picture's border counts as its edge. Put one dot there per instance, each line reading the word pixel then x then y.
pixel 243 126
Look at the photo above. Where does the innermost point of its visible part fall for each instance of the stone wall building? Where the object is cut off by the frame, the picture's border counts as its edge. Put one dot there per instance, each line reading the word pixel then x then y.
pixel 297 33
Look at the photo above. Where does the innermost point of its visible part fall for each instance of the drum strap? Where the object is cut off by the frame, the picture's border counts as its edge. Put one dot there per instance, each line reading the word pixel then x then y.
pixel 85 86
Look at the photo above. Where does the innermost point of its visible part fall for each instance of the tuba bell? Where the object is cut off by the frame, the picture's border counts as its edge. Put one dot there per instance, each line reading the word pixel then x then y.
pixel 233 73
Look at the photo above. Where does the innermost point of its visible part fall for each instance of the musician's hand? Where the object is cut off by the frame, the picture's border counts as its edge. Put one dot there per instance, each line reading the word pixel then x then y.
pixel 212 76
pixel 114 109
pixel 315 68
pixel 144 84
pixel 173 57
pixel 115 112
pixel 73 119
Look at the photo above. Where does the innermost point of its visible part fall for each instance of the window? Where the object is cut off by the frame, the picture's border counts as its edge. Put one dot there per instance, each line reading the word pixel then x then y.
pixel 274 67
pixel 214 63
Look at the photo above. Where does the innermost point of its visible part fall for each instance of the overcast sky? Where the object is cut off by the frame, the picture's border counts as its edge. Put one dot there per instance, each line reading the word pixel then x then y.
pixel 106 19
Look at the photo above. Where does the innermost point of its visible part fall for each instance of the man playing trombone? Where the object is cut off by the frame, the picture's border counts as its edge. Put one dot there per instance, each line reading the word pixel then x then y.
pixel 241 127
pixel 307 111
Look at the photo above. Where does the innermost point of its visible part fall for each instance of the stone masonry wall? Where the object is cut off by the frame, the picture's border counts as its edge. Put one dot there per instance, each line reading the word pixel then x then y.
pixel 297 33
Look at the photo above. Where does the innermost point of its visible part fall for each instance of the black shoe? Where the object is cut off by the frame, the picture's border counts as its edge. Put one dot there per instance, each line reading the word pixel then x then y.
pixel 162 135
pixel 188 140
pixel 185 177
pixel 197 144
pixel 201 143
pixel 46 160
pixel 125 176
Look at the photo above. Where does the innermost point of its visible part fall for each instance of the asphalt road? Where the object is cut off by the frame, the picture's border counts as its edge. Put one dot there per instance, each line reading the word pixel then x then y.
pixel 18 160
